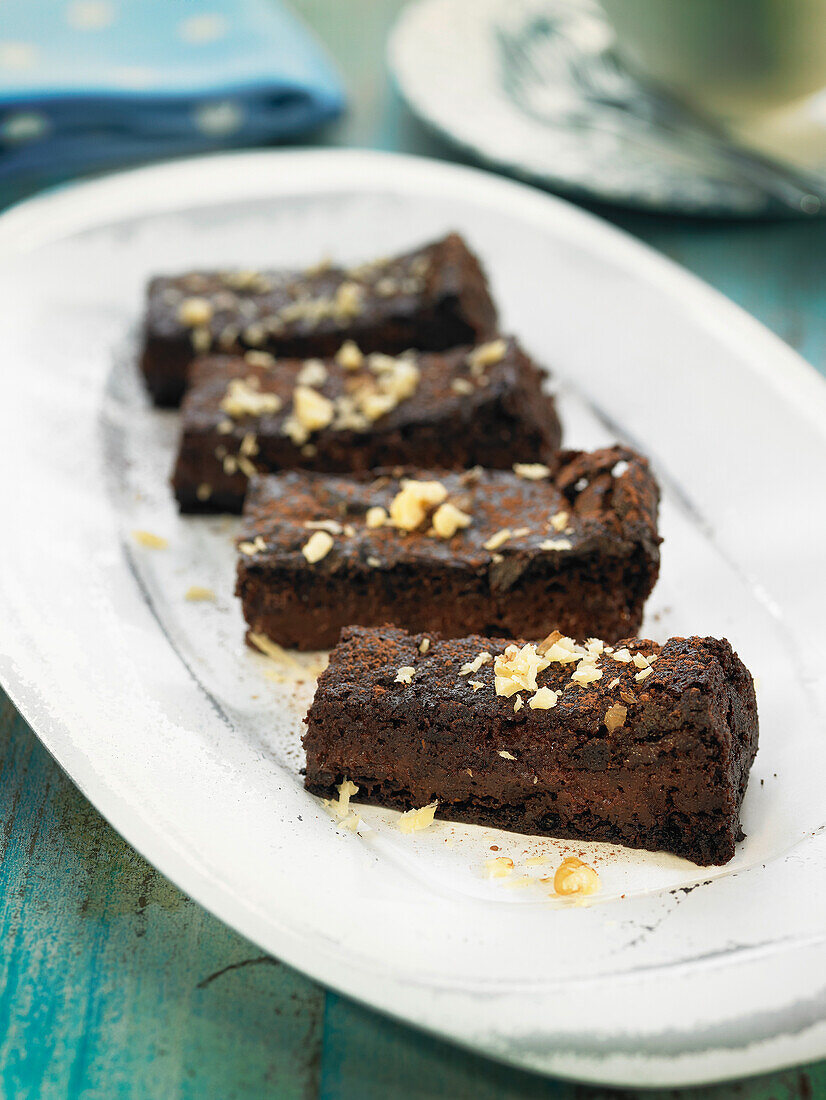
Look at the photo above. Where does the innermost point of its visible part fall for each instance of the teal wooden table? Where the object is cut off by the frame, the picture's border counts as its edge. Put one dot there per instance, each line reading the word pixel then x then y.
pixel 112 983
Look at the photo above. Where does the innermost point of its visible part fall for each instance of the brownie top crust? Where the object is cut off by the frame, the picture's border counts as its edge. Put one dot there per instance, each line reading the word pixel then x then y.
pixel 604 501
pixel 351 393
pixel 634 689
pixel 232 308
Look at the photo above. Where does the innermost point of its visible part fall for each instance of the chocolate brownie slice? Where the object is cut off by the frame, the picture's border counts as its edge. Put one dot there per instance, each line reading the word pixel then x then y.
pixel 644 745
pixel 251 414
pixel 433 298
pixel 490 551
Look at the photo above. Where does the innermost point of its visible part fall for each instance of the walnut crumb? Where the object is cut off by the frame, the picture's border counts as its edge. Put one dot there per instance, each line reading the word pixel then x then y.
pixel 556 544
pixel 197 592
pixel 349 355
pixel 448 519
pixel 313 373
pixel 204 491
pixel 486 355
pixel 531 471
pixel 424 645
pixel 641 675
pixel 573 876
pixel 516 669
pixel 412 504
pixel 559 520
pixel 498 539
pixel 150 541
pixel 193 312
pixel 622 656
pixel 244 399
pixel 318 546
pixel 473 666
pixel 462 386
pixel 506 755
pixel 405 675
pixel 615 717
pixel 259 359
pixel 413 821
pixel 476 685
pixel 500 867
pixel 544 699
pixel 518 703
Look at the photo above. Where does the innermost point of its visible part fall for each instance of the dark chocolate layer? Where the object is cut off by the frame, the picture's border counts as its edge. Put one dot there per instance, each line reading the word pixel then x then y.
pixel 669 777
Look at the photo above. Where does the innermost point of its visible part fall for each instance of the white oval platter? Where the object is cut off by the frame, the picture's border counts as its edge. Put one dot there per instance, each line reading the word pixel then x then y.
pixel 183 739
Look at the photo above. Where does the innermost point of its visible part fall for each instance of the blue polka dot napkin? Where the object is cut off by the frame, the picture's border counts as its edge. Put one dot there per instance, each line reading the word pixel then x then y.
pixel 91 83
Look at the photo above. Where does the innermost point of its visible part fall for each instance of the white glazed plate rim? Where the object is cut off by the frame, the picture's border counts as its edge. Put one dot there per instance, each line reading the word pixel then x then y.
pixel 796 1031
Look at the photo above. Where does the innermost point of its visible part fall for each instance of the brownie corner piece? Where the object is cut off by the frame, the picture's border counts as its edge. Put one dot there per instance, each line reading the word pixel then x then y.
pixel 644 745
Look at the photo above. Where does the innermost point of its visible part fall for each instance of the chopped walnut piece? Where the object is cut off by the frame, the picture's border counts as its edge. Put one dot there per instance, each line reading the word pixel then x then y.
pixel 411 505
pixel 313 373
pixel 543 699
pixel 386 287
pixel 531 471
pixel 462 386
pixel 318 546
pixel 376 405
pixel 615 717
pixel 473 666
pixel 424 645
pixel 242 399
pixel 641 675
pixel 506 755
pixel 348 301
pixel 194 312
pixel 150 541
pixel 623 656
pixel 204 491
pixel 259 358
pixel 448 519
pixel 564 651
pixel 413 821
pixel 331 526
pixel 556 544
pixel 586 672
pixel 485 355
pixel 197 592
pixel 341 807
pixel 376 516
pixel 548 641
pixel 640 660
pixel 614 683
pixel 518 703
pixel 312 410
pixel 573 876
pixel 249 444
pixel 559 520
pixel 515 669
pixel 499 539
pixel 405 675
pixel 500 867
pixel 201 339
pixel 349 355
pixel 476 685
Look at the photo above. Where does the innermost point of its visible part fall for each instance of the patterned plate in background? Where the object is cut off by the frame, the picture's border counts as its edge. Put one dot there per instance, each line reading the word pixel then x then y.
pixel 532 87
